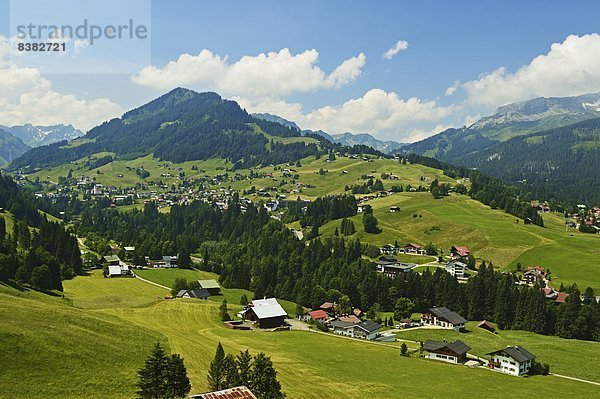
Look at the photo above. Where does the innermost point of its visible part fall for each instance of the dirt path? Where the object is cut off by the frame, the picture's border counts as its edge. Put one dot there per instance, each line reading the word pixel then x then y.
pixel 151 282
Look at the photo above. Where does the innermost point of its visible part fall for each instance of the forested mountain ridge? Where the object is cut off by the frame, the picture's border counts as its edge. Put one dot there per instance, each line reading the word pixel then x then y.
pixel 11 147
pixel 347 138
pixel 559 163
pixel 512 120
pixel 179 126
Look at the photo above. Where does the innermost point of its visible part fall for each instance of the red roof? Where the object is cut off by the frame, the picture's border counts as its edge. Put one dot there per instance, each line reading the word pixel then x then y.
pixel 318 314
pixel 350 319
pixel 327 305
pixel 413 245
pixel 561 297
pixel 462 251
pixel 232 393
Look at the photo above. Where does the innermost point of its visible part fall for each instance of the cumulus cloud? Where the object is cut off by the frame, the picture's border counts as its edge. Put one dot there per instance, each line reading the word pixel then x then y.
pixel 392 51
pixel 378 112
pixel 569 68
pixel 27 97
pixel 272 75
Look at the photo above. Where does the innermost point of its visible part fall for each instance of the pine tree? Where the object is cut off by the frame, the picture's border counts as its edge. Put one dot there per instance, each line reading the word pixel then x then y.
pixel 177 383
pixel 403 349
pixel 244 300
pixel 232 377
pixel 264 382
pixel 151 384
pixel 216 371
pixel 244 365
pixel 223 311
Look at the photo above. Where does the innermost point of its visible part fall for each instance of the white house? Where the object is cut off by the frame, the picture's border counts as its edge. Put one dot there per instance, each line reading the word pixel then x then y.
pixel 453 352
pixel 513 360
pixel 368 329
pixel 443 317
pixel 118 270
pixel 456 268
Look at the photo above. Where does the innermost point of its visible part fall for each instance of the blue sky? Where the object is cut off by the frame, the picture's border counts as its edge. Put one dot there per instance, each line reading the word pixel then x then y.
pixel 447 43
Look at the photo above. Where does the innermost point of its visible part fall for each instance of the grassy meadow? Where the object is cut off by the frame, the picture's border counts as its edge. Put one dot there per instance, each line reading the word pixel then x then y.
pixel 58 350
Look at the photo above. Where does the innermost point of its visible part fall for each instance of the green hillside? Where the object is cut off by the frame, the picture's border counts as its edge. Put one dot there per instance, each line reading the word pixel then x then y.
pixel 96 352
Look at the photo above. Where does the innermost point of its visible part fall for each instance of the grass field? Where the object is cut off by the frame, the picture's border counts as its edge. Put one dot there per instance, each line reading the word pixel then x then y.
pixel 56 350
pixel 491 235
pixel 50 349
pixel 569 357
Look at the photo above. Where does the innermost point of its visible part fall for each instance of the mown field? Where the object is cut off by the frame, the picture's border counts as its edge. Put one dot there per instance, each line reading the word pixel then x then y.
pixel 491 235
pixel 569 357
pixel 57 350
pixel 50 349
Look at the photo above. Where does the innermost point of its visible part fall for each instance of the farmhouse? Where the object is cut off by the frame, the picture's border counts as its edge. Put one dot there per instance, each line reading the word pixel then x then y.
pixel 211 286
pixel 412 248
pixel 112 260
pixel 266 313
pixel 456 268
pixel 443 317
pixel 460 252
pixel 232 393
pixel 170 261
pixel 388 249
pixel 486 325
pixel 119 271
pixel 454 352
pixel 392 269
pixel 535 274
pixel 197 294
pixel 513 360
pixel 318 315
pixel 368 329
pixel 328 307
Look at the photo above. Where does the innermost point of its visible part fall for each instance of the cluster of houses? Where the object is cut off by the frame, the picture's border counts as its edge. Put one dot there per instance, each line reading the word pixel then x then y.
pixel 513 360
pixel 350 325
pixel 410 248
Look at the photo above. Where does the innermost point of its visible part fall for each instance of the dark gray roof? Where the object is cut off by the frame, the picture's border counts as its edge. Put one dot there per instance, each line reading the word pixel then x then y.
pixel 458 347
pixel 447 314
pixel 516 352
pixel 199 293
pixel 341 324
pixel 181 293
pixel 397 265
pixel 369 326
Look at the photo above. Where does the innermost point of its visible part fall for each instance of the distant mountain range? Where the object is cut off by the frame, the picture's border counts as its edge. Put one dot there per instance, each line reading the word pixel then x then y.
pixel 347 139
pixel 35 136
pixel 550 144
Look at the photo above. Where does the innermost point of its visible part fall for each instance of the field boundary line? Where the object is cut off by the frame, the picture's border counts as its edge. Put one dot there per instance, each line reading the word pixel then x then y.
pixel 152 282
pixel 575 379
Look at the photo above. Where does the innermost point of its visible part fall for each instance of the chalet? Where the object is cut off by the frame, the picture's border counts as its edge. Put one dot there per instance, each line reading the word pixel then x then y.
pixel 328 307
pixel 350 319
pixel 122 270
pixel 393 269
pixel 387 259
pixel 454 352
pixel 388 249
pixel 196 294
pixel 513 360
pixel 486 325
pixel 111 260
pixel 368 329
pixel 460 252
pixel 170 261
pixel 318 315
pixel 535 274
pixel 211 286
pixel 240 392
pixel 266 313
pixel 412 248
pixel 443 317
pixel 406 323
pixel 456 268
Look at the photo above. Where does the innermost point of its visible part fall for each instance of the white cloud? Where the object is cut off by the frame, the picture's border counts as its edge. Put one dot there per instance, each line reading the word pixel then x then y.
pixel 399 46
pixel 27 97
pixel 271 75
pixel 383 114
pixel 569 68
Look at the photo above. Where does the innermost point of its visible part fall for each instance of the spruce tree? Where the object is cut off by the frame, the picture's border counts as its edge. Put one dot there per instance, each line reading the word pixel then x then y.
pixel 244 365
pixel 223 311
pixel 216 371
pixel 177 383
pixel 151 384
pixel 264 382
